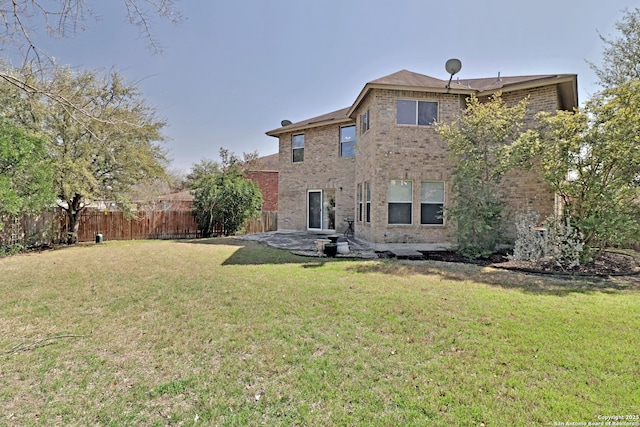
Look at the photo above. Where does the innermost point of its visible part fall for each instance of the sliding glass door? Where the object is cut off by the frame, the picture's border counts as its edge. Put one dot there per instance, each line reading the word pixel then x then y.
pixel 321 206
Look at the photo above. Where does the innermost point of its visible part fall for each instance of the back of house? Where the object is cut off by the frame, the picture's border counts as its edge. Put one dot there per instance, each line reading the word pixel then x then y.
pixel 381 164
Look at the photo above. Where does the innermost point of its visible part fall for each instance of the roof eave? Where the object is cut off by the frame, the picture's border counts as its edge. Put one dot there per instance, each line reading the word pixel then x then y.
pixel 370 86
pixel 570 100
pixel 545 81
pixel 294 128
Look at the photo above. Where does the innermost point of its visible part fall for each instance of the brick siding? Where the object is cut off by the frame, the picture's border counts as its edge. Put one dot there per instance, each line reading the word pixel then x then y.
pixel 322 169
pixel 389 151
pixel 268 183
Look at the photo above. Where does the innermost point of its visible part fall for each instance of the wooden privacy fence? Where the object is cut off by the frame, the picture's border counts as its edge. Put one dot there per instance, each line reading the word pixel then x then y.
pixel 267 221
pixel 31 230
pixel 51 227
pixel 114 225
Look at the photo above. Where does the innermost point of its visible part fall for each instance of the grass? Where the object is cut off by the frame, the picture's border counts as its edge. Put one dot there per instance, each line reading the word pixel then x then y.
pixel 218 332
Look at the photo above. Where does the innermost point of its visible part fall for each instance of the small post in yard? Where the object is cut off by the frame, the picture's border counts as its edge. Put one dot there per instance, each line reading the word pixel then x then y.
pixel 99 238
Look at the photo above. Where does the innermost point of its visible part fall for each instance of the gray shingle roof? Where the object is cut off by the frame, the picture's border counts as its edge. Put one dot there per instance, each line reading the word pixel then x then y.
pixel 409 80
pixel 333 117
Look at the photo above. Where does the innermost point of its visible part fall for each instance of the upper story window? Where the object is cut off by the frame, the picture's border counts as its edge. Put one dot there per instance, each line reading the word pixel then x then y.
pixel 364 122
pixel 417 113
pixel 348 141
pixel 297 148
pixel 432 203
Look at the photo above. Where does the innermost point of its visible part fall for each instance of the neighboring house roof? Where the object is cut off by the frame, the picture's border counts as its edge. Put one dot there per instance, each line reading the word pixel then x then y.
pixel 408 80
pixel 181 196
pixel 270 162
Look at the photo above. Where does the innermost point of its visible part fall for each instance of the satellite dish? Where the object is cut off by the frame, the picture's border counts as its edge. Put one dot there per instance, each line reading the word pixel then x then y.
pixel 285 123
pixel 453 66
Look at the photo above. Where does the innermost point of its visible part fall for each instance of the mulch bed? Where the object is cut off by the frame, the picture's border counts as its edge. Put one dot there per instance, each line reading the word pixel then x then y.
pixel 605 264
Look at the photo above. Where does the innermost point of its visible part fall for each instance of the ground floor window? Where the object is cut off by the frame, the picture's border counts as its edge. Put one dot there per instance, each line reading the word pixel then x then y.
pixel 360 203
pixel 431 203
pixel 400 201
pixel 367 193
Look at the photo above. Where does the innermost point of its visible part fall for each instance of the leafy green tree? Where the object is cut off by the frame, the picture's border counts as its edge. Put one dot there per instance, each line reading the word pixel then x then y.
pixel 99 151
pixel 591 159
pixel 201 171
pixel 223 197
pixel 621 55
pixel 476 142
pixel 25 171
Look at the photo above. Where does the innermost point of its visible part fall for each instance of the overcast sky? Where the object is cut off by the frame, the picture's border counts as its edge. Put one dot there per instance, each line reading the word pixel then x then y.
pixel 233 69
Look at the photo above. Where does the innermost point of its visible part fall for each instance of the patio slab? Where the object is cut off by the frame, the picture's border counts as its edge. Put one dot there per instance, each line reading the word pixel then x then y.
pixel 406 253
pixel 304 242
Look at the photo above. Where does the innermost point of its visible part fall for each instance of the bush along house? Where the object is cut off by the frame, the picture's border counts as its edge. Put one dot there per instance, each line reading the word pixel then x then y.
pixel 381 163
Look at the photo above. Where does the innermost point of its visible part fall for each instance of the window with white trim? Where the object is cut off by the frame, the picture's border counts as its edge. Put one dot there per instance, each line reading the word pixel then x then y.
pixel 364 122
pixel 400 203
pixel 416 113
pixel 367 195
pixel 297 148
pixel 432 202
pixel 348 141
pixel 360 202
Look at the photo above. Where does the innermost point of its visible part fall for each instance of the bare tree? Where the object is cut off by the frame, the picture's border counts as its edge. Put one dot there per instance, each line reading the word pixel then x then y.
pixel 23 24
pixel 24 21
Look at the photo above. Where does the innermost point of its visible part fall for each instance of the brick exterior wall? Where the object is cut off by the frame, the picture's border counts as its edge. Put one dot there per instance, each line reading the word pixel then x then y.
pixel 416 153
pixel 322 169
pixel 388 151
pixel 525 190
pixel 268 183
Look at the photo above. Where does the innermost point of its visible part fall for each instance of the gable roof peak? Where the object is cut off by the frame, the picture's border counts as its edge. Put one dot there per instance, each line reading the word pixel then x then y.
pixel 408 78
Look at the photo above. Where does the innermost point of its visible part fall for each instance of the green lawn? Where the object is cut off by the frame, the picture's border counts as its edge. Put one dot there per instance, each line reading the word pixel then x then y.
pixel 218 332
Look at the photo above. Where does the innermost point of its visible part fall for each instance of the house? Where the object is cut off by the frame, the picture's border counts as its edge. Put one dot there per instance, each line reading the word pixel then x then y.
pixel 181 201
pixel 264 172
pixel 380 162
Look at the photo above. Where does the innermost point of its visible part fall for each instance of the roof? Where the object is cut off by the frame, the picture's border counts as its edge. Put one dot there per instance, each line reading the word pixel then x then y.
pixel 408 80
pixel 265 163
pixel 338 116
pixel 181 196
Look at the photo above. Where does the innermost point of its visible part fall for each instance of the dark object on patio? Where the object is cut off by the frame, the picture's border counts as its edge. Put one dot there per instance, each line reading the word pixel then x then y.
pixel 331 249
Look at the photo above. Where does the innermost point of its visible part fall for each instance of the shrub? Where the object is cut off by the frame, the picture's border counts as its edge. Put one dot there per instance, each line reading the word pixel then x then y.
pixel 557 242
pixel 530 243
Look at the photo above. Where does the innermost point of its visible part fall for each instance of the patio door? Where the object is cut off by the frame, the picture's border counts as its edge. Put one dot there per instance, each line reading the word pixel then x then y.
pixel 321 210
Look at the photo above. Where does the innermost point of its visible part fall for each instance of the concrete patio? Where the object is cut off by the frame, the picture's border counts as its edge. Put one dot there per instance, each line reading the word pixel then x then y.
pixel 303 243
